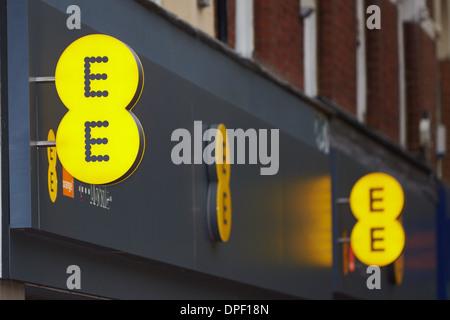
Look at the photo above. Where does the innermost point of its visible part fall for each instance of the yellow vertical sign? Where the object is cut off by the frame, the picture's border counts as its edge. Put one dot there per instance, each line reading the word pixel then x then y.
pixel 219 195
pixel 52 177
pixel 377 201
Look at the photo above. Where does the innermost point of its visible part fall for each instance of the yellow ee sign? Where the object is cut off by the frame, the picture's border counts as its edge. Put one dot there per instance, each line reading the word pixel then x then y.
pixel 219 194
pixel 99 79
pixel 52 178
pixel 377 201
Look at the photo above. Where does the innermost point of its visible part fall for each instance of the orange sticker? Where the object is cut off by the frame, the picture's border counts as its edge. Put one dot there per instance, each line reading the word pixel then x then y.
pixel 67 184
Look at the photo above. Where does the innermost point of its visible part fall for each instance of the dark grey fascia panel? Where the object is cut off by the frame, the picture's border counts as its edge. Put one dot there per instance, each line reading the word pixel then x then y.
pixel 114 275
pixel 19 113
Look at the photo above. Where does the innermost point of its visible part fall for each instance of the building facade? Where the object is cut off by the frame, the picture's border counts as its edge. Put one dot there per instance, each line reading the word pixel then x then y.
pixel 336 90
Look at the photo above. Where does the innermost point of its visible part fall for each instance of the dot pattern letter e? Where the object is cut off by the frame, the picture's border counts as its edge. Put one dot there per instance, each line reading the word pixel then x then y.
pixel 99 79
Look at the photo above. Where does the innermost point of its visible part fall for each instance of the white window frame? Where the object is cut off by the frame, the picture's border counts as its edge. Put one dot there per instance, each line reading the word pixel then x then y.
pixel 310 47
pixel 401 77
pixel 361 63
pixel 415 11
pixel 244 43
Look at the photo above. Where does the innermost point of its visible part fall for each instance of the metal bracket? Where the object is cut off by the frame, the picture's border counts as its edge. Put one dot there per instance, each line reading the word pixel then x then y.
pixel 342 200
pixel 343 240
pixel 42 79
pixel 305 12
pixel 46 144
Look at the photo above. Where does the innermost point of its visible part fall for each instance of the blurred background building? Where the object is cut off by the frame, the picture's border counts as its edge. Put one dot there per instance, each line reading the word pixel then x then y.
pixel 389 79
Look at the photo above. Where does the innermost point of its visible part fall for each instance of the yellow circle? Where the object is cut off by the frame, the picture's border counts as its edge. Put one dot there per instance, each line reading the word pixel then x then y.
pixel 100 148
pixel 377 244
pixel 377 195
pixel 101 72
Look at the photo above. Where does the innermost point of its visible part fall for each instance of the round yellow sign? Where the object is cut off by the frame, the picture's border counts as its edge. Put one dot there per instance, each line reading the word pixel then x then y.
pixel 99 72
pixel 377 201
pixel 378 244
pixel 99 140
pixel 377 195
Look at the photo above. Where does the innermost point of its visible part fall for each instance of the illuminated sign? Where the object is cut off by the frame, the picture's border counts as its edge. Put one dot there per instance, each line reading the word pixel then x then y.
pixel 398 270
pixel 52 177
pixel 219 195
pixel 99 79
pixel 377 201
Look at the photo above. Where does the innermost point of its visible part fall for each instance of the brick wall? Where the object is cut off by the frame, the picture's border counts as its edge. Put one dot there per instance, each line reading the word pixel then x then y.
pixel 231 9
pixel 445 113
pixel 337 52
pixel 421 84
pixel 382 72
pixel 279 39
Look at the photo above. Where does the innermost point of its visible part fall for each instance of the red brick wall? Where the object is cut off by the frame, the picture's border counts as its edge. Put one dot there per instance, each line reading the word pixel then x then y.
pixel 279 39
pixel 231 16
pixel 279 48
pixel 421 84
pixel 445 113
pixel 337 52
pixel 382 72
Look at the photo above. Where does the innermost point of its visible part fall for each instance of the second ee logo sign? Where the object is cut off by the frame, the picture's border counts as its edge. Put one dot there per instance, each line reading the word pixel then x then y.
pixel 377 201
pixel 219 194
pixel 99 79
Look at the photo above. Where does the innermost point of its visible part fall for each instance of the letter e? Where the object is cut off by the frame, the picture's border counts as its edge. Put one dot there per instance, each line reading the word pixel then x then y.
pixel 372 199
pixel 373 239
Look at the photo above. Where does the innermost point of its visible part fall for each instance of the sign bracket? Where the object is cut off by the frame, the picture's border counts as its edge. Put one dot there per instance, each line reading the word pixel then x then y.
pixel 42 79
pixel 45 144
pixel 343 200
pixel 340 201
pixel 343 240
